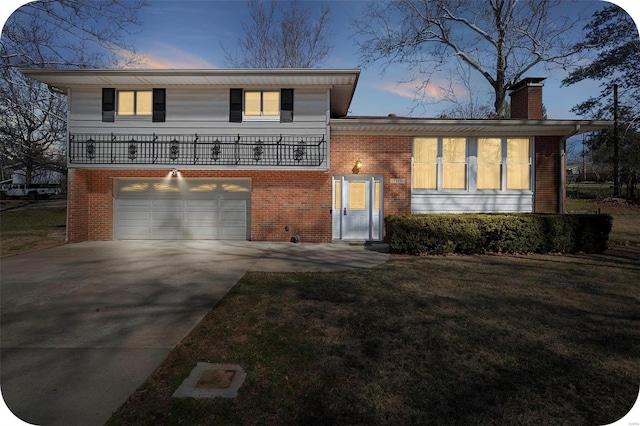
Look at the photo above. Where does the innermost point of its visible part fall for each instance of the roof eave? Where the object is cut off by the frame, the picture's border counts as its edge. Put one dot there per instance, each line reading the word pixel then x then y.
pixel 467 127
pixel 346 79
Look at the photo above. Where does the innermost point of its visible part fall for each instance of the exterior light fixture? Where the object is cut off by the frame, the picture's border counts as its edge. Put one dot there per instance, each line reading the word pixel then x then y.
pixel 174 172
pixel 357 167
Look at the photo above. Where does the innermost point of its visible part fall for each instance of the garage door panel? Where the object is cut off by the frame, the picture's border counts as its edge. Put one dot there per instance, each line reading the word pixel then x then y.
pixel 202 204
pixel 167 215
pixel 134 216
pixel 226 221
pixel 130 203
pixel 134 232
pixel 167 233
pixel 177 205
pixel 233 233
pixel 234 205
pixel 200 210
pixel 203 232
pixel 203 218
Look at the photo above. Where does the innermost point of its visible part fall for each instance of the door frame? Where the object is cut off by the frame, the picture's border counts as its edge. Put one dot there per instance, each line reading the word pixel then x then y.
pixel 337 221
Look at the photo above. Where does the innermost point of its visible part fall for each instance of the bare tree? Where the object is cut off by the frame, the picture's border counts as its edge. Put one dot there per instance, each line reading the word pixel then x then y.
pixel 281 38
pixel 54 34
pixel 33 126
pixel 462 97
pixel 500 40
pixel 70 33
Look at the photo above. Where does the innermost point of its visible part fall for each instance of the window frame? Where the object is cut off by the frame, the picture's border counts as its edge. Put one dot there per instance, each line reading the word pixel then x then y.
pixel 261 117
pixel 472 168
pixel 135 114
pixel 440 165
pixel 501 164
pixel 507 163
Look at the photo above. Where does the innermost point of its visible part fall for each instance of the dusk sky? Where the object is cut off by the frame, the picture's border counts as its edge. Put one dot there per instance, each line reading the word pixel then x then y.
pixel 189 34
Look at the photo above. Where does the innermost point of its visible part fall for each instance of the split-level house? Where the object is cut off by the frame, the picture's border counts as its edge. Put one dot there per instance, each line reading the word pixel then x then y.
pixel 264 154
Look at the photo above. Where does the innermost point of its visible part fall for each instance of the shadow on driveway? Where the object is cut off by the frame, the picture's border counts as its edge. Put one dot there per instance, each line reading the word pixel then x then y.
pixel 83 325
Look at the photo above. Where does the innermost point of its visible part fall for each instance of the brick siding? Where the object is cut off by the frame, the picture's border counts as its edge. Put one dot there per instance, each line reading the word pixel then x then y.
pixel 301 200
pixel 526 103
pixel 547 159
pixel 385 155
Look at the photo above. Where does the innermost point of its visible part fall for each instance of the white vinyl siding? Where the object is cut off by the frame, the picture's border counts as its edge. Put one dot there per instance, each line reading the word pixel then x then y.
pixel 472 203
pixel 201 110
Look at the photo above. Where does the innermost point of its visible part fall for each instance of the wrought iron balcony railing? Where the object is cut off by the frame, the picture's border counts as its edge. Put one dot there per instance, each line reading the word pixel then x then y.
pixel 204 150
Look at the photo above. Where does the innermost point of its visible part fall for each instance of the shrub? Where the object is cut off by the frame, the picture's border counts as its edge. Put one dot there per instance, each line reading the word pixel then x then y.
pixel 500 233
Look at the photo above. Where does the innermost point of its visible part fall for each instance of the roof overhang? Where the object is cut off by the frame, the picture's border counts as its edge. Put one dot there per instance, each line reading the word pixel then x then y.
pixel 342 83
pixel 449 127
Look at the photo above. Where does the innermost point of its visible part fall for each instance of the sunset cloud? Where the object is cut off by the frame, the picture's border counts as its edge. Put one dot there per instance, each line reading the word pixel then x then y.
pixel 166 57
pixel 409 90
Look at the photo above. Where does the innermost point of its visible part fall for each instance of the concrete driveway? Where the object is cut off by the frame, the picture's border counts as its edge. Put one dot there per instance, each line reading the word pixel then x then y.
pixel 83 325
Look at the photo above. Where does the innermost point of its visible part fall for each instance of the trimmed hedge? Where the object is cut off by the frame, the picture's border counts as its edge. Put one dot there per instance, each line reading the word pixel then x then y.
pixel 499 233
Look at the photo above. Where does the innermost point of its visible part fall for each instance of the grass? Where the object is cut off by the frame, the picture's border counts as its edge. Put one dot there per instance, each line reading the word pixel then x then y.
pixel 32 229
pixel 591 190
pixel 626 218
pixel 420 340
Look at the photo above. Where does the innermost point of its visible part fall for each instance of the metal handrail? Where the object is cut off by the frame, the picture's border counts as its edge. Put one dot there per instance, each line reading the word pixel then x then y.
pixel 195 149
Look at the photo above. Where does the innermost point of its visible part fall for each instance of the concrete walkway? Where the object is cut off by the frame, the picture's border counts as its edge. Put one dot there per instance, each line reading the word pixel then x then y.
pixel 83 325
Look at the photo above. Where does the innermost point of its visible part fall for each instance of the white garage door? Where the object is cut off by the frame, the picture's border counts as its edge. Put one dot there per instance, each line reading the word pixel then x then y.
pixel 183 209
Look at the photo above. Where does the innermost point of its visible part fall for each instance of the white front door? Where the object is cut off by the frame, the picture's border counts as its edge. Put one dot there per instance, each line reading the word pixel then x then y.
pixel 357 213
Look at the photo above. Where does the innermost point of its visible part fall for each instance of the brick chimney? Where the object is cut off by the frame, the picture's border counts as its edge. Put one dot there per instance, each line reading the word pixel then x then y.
pixel 526 99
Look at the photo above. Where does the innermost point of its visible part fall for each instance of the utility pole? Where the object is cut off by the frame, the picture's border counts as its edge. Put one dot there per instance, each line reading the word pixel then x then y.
pixel 584 161
pixel 616 157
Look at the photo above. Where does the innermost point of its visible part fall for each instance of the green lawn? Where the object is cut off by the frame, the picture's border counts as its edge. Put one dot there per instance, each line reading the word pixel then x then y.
pixel 591 190
pixel 488 339
pixel 32 229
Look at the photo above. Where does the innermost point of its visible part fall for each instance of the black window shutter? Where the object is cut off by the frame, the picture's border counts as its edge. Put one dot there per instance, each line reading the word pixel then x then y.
pixel 286 105
pixel 235 105
pixel 108 105
pixel 159 105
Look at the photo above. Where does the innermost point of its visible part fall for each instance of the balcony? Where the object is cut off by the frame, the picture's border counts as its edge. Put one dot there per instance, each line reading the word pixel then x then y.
pixel 197 150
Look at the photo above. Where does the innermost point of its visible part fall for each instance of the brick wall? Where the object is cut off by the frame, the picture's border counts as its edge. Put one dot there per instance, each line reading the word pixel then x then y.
pixel 78 205
pixel 547 155
pixel 300 199
pixel 526 103
pixel 389 156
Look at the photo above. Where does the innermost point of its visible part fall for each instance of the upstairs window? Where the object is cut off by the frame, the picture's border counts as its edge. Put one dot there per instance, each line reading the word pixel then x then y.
pixel 261 105
pixel 135 102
